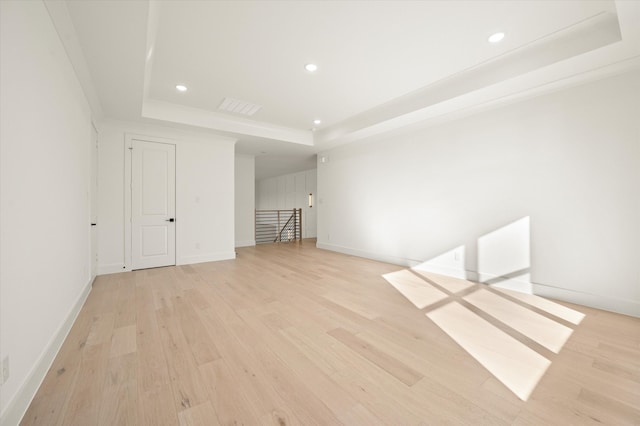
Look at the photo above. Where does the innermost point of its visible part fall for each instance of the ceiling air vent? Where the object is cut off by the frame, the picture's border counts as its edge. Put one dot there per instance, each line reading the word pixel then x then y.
pixel 239 107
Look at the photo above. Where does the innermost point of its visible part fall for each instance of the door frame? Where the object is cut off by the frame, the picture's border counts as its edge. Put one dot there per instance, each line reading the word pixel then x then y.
pixel 128 236
pixel 94 207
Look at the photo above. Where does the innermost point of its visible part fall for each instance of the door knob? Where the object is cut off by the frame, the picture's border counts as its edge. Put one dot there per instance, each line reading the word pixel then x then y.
pixel 170 220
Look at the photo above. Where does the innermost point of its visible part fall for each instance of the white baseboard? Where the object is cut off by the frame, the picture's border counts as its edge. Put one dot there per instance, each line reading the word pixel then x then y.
pixel 17 406
pixel 209 257
pixel 516 284
pixel 248 243
pixel 511 283
pixel 607 303
pixel 116 268
pixel 612 304
pixel 369 255
pixel 113 268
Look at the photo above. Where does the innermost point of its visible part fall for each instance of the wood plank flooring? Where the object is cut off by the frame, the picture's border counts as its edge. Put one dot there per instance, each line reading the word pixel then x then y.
pixel 292 335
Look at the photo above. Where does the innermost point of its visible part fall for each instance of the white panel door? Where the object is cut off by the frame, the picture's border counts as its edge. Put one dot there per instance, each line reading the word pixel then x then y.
pixel 153 204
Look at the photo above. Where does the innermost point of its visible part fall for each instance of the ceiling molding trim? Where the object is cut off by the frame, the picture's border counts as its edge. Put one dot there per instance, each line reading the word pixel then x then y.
pixel 173 113
pixel 596 48
pixel 481 100
pixel 590 35
pixel 162 128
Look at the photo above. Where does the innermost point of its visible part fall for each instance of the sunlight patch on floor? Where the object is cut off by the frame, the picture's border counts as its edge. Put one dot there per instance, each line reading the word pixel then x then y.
pixel 516 365
pixel 414 288
pixel 560 311
pixel 546 332
pixel 451 284
pixel 498 345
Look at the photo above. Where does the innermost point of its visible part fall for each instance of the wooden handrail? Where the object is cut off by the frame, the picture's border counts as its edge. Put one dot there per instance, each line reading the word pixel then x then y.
pixel 279 237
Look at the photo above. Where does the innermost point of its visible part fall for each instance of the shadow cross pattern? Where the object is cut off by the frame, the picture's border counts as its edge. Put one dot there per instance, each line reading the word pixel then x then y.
pixel 513 335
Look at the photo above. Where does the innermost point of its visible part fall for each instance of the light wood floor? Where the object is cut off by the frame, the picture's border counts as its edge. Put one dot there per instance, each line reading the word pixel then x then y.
pixel 289 334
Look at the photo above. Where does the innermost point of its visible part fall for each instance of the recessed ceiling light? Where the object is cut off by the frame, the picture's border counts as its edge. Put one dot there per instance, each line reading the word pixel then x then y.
pixel 181 88
pixel 316 121
pixel 494 38
pixel 311 67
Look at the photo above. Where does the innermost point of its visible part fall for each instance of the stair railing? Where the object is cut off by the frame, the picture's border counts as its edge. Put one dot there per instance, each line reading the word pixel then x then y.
pixel 273 226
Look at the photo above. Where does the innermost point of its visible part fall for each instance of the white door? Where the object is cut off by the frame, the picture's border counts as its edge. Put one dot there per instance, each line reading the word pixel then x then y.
pixel 153 204
pixel 94 202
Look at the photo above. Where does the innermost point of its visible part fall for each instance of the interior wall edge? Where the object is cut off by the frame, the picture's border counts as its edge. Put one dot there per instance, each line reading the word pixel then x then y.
pixel 208 257
pixel 17 406
pixel 250 243
pixel 113 268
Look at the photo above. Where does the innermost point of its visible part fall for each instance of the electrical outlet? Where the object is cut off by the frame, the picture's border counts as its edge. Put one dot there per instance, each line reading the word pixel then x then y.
pixel 5 369
pixel 456 255
pixel 198 246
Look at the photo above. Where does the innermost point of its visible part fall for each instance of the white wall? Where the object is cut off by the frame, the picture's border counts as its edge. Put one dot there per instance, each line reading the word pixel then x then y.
pixel 565 165
pixel 245 184
pixel 45 134
pixel 288 192
pixel 204 194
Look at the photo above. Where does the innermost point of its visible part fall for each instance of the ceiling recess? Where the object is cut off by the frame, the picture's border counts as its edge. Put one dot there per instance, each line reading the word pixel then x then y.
pixel 239 107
